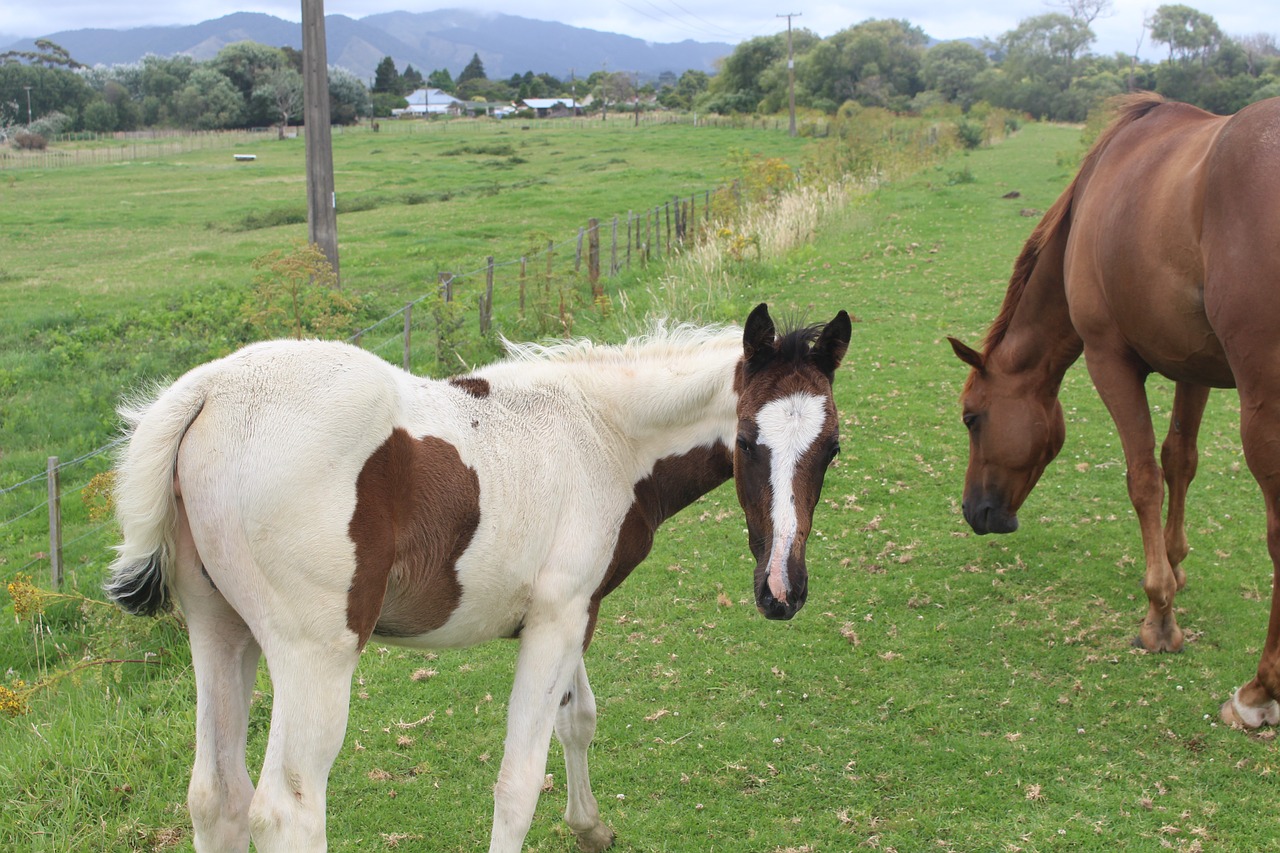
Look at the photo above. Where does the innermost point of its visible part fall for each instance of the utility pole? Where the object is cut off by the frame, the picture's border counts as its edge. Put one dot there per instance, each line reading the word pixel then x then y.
pixel 322 216
pixel 791 71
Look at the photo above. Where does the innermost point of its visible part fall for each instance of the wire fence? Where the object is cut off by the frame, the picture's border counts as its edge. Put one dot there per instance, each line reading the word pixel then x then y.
pixel 54 523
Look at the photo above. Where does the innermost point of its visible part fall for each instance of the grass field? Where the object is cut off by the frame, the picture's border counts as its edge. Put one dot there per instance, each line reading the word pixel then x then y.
pixel 940 691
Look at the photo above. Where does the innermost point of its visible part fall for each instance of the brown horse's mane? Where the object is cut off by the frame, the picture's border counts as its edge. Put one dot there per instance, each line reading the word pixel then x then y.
pixel 1128 109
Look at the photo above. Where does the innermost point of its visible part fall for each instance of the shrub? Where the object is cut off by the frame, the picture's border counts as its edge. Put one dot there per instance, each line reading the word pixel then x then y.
pixel 971 133
pixel 28 141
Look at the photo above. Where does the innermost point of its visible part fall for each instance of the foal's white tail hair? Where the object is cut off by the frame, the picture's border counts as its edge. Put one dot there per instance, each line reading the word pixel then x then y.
pixel 144 493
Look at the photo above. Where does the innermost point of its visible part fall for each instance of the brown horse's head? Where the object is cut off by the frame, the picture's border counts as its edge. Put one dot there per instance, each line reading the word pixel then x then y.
pixel 1015 429
pixel 788 434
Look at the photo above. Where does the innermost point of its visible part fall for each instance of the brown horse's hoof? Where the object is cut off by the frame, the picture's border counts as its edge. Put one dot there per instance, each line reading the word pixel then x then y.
pixel 599 837
pixel 1171 645
pixel 1240 716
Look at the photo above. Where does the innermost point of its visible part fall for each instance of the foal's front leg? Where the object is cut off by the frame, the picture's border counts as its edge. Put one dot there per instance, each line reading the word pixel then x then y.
pixel 550 654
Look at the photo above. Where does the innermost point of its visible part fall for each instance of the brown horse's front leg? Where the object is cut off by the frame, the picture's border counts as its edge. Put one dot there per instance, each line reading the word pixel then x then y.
pixel 1120 383
pixel 1178 458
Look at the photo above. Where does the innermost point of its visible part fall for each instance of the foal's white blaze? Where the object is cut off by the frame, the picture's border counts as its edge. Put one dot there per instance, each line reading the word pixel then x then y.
pixel 788 427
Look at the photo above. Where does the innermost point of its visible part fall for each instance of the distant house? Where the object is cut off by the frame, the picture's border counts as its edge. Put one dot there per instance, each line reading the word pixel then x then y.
pixel 552 107
pixel 430 101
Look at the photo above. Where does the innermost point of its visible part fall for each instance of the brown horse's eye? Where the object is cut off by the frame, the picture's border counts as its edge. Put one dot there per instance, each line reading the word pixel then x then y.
pixel 969 420
pixel 833 452
pixel 746 446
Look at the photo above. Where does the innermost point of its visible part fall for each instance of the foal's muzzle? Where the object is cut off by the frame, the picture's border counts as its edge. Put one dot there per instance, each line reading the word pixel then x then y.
pixel 772 608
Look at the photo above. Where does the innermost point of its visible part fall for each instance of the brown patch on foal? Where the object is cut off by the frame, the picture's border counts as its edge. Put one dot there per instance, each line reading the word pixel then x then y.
pixel 674 483
pixel 417 507
pixel 473 385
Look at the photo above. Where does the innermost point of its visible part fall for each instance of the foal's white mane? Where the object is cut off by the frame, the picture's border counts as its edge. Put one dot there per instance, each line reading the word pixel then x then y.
pixel 669 377
pixel 660 342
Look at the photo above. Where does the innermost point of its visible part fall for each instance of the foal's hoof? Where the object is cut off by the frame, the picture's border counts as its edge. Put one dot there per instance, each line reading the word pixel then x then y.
pixel 1240 716
pixel 599 837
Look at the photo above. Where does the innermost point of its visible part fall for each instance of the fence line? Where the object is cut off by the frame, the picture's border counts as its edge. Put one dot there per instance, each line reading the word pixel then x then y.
pixel 657 244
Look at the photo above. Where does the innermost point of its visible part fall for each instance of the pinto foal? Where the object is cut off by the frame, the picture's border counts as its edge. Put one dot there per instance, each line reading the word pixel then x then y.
pixel 300 498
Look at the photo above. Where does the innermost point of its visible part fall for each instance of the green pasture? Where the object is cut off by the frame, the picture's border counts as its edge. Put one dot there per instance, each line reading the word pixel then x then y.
pixel 940 691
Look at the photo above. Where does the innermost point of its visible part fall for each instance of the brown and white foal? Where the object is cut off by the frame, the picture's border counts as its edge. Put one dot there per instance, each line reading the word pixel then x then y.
pixel 300 498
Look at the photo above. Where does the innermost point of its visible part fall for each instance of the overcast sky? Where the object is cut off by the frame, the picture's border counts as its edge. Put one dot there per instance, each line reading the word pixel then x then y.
pixel 729 21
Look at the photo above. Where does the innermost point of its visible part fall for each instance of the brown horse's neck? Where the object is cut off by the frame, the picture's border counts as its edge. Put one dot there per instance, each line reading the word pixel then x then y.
pixel 1033 335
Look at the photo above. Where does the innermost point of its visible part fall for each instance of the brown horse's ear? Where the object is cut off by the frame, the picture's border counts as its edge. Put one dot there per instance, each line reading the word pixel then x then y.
pixel 968 355
pixel 832 344
pixel 759 338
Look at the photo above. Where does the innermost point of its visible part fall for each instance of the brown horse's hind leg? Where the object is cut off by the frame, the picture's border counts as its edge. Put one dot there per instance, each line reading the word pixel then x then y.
pixel 1255 704
pixel 1178 458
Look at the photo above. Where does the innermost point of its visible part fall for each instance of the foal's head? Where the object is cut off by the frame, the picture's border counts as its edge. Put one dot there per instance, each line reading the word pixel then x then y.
pixel 788 433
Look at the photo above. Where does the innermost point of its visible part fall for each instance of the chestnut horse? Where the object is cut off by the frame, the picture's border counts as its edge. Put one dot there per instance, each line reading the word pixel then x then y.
pixel 1162 256
pixel 300 498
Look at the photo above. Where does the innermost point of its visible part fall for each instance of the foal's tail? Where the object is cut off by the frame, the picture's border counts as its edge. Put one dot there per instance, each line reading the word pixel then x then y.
pixel 145 495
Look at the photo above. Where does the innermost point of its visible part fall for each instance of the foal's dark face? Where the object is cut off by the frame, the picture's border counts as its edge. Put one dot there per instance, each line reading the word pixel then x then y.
pixel 788 434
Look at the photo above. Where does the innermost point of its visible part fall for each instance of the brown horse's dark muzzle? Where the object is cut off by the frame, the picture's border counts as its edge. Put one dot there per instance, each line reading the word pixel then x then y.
pixel 988 514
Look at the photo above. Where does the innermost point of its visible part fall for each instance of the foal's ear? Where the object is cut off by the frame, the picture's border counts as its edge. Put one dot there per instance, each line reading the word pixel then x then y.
pixel 968 355
pixel 759 338
pixel 833 343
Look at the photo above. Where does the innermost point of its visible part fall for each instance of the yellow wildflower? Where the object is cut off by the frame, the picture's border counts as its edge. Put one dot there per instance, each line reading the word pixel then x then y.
pixel 28 599
pixel 13 700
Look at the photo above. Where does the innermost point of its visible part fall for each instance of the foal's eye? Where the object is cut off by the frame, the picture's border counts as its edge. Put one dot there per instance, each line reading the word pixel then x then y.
pixel 970 418
pixel 745 445
pixel 833 452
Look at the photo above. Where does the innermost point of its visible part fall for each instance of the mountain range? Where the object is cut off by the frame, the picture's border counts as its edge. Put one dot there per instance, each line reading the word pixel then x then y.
pixel 445 38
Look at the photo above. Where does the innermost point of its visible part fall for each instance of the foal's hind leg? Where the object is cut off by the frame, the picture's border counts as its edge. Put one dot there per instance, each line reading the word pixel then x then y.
pixel 575 727
pixel 311 681
pixel 1178 458
pixel 225 658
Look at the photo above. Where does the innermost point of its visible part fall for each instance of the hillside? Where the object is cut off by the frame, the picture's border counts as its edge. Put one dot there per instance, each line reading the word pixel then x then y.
pixel 447 38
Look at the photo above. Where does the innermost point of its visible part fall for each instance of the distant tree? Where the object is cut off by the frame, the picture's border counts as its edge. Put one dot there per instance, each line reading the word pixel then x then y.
pixel 99 117
pixel 1189 33
pixel 952 69
pixel 691 84
pixel 441 79
pixel 876 63
pixel 667 80
pixel 348 98
pixel 282 87
pixel 292 57
pixel 247 65
pixel 737 87
pixel 411 80
pixel 52 89
pixel 386 79
pixel 473 71
pixel 209 101
pixel 47 53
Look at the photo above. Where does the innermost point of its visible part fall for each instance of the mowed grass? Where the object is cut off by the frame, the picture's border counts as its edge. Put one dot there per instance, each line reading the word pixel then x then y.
pixel 940 691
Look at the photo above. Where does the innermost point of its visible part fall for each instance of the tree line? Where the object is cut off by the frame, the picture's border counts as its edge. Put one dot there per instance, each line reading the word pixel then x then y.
pixel 246 85
pixel 1043 67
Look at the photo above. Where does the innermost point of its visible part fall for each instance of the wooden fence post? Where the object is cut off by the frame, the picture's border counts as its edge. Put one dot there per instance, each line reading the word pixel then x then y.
pixel 55 525
pixel 486 301
pixel 523 267
pixel 613 248
pixel 628 239
pixel 446 285
pixel 593 256
pixel 408 325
